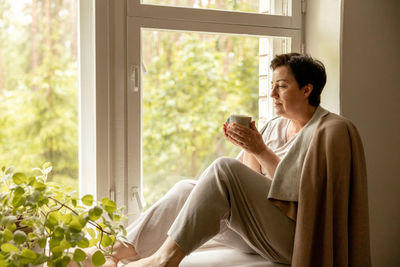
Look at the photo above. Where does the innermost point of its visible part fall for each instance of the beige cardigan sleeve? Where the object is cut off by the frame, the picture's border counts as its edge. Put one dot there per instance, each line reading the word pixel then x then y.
pixel 332 228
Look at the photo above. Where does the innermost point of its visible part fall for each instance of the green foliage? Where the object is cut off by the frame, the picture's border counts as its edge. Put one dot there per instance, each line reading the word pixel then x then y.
pixel 193 83
pixel 38 87
pixel 42 221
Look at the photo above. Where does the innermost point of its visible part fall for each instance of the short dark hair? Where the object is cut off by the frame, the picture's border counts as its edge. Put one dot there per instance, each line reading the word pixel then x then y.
pixel 306 70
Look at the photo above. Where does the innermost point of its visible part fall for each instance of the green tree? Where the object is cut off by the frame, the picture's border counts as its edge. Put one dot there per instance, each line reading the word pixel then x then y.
pixel 39 95
pixel 193 83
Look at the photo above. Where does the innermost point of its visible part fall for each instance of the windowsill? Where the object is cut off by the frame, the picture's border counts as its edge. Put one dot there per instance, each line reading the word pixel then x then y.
pixel 212 255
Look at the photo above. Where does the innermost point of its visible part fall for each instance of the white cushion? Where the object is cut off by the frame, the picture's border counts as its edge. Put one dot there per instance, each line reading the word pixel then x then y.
pixel 223 256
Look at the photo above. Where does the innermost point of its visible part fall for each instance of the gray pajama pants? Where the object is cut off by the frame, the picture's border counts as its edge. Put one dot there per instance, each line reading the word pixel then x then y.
pixel 228 203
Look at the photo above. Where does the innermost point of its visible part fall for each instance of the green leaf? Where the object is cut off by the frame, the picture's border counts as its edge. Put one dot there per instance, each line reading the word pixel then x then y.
pixel 29 254
pixel 19 178
pixel 42 201
pixel 18 191
pixel 95 213
pixel 76 224
pixel 6 220
pixel 19 237
pixel 65 244
pixel 9 248
pixel 3 196
pixel 98 258
pixel 79 255
pixel 65 260
pixel 34 197
pixel 109 205
pixel 9 170
pixel 12 227
pixel 56 249
pixel 59 232
pixel 8 235
pixel 106 241
pixel 39 186
pixel 87 200
pixel 40 260
pixel 91 232
pixel 46 165
pixel 66 218
pixel 84 243
pixel 93 242
pixel 31 180
pixel 42 242
pixel 52 219
pixel 18 201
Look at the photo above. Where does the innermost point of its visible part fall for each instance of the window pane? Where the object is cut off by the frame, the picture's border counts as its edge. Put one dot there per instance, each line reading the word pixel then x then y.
pixel 192 83
pixel 38 87
pixel 273 7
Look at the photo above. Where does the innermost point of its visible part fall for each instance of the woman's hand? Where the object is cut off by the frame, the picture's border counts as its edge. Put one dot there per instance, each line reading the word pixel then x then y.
pixel 247 138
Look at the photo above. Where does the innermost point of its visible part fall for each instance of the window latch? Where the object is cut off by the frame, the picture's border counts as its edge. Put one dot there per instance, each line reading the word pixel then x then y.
pixel 136 196
pixel 134 78
pixel 303 6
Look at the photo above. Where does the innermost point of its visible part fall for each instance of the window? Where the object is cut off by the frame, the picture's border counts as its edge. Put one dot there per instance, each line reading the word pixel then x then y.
pixel 191 83
pixel 188 69
pixel 38 87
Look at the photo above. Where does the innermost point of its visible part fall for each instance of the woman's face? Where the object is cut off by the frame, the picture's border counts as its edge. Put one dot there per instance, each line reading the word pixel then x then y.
pixel 288 99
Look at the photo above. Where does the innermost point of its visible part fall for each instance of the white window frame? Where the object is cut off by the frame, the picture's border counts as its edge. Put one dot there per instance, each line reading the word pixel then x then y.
pixel 94 94
pixel 109 103
pixel 184 19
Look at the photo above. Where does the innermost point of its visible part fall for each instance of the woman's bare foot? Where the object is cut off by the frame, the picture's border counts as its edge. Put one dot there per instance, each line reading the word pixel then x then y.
pixel 146 262
pixel 169 255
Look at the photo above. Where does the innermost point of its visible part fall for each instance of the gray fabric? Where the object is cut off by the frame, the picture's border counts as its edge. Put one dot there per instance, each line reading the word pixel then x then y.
pixel 149 231
pixel 227 204
pixel 229 190
pixel 286 181
pixel 274 138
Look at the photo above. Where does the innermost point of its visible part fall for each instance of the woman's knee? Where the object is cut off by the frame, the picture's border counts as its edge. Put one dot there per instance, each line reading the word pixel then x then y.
pixel 183 188
pixel 227 163
pixel 224 161
pixel 222 168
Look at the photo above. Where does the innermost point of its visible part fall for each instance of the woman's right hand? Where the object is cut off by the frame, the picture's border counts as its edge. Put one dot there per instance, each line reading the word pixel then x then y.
pixel 225 131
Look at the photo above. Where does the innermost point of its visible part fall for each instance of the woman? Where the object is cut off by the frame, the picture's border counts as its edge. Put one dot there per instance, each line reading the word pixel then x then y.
pixel 229 202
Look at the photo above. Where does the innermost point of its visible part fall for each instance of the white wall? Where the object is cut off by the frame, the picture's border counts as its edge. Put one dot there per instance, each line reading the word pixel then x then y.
pixel 370 97
pixel 322 41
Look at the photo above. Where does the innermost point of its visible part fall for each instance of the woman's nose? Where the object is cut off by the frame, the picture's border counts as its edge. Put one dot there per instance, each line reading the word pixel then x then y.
pixel 273 92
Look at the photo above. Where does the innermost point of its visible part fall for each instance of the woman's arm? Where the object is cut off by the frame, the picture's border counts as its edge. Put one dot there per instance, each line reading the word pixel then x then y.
pixel 268 160
pixel 250 161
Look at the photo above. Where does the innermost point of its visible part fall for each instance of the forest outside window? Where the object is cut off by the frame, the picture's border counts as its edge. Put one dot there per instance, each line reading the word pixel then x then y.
pixel 38 87
pixel 193 82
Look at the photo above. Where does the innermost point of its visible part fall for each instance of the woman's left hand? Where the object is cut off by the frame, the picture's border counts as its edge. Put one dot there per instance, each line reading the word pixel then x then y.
pixel 247 138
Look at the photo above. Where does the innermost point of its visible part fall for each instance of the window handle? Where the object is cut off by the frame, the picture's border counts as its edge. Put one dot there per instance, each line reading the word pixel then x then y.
pixel 134 78
pixel 136 196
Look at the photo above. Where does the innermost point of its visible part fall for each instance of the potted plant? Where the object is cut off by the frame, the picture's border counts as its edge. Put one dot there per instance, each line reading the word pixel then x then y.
pixel 41 222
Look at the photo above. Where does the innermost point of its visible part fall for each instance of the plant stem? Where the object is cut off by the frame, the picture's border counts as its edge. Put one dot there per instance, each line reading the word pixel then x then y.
pixel 90 221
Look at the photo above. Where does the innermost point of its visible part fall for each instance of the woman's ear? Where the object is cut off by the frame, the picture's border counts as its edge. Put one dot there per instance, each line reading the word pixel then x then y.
pixel 308 89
